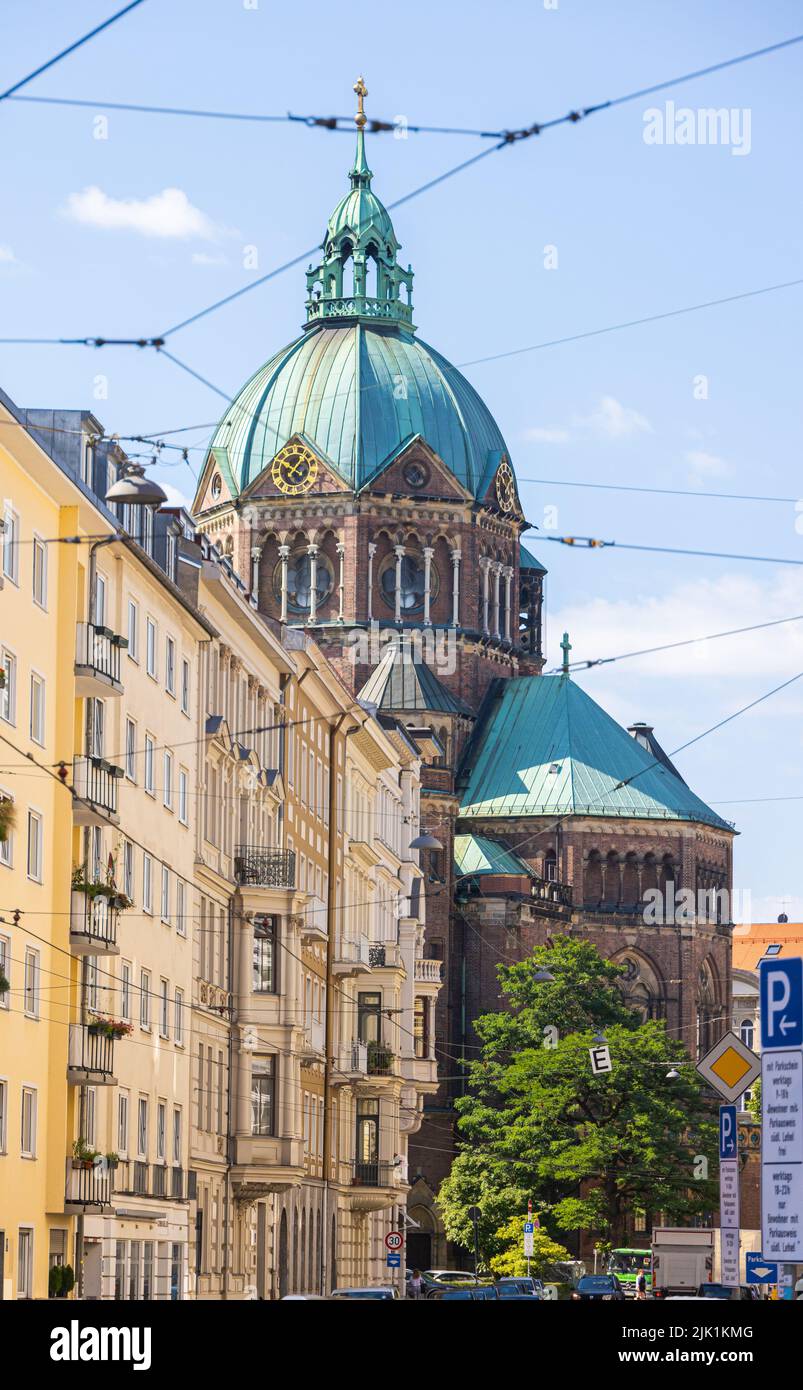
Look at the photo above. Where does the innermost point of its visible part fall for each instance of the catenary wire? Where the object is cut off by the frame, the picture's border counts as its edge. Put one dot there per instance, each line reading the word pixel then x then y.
pixel 79 43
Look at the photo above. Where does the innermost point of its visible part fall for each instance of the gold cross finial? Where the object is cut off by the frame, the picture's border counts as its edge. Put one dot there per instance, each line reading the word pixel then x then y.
pixel 362 92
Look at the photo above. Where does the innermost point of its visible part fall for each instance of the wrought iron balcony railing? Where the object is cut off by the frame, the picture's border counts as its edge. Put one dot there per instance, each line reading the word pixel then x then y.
pixel 97 659
pixel 88 1185
pixel 374 1173
pixel 95 783
pixel 93 921
pixel 381 1061
pixel 91 1052
pixel 263 867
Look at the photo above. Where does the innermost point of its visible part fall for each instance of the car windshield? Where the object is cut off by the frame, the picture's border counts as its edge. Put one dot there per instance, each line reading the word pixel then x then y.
pixel 596 1283
pixel 629 1261
pixel 715 1291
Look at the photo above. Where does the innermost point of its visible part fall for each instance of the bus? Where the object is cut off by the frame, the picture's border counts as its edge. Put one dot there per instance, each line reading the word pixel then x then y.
pixel 626 1263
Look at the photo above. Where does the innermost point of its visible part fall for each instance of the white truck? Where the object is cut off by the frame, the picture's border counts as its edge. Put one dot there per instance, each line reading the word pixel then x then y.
pixel 682 1259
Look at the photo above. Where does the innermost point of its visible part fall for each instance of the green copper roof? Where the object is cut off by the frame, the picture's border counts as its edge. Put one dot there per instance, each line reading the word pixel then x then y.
pixel 527 560
pixel 476 854
pixel 547 749
pixel 399 682
pixel 359 394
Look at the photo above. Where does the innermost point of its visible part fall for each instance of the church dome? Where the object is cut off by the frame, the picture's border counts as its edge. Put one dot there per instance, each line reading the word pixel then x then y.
pixel 359 393
pixel 358 385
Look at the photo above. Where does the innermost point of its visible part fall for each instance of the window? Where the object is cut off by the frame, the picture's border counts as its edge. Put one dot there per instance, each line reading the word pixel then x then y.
pixel 182 795
pixel 135 1248
pixel 264 971
pixel 145 1000
pixel 125 991
pixel 165 909
pixel 263 1096
pixel 161 1122
pixel 3 1117
pixel 8 687
pixel 142 1127
pixel 95 721
pixel 5 968
pixel 147 883
pixel 150 648
pixel 147 1269
pixel 181 907
pixel 170 666
pixel 25 1263
pixel 747 1032
pixel 31 982
pixel 39 572
pixel 28 1123
pixel 200 1120
pixel 35 832
pixel 7 845
pixel 11 545
pixel 178 1018
pixel 90 1110
pixel 100 600
pixel 149 785
pixel 167 771
pixel 177 1137
pixel 130 750
pixel 122 1122
pixel 91 992
pixel 128 870
pixel 420 1031
pixel 37 709
pixel 185 686
pixel 133 630
pixel 164 1009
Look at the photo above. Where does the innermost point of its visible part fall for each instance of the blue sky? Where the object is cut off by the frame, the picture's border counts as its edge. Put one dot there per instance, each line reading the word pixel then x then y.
pixel 639 229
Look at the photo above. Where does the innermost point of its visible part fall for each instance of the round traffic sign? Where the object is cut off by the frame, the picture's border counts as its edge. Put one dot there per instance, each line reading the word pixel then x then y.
pixel 394 1240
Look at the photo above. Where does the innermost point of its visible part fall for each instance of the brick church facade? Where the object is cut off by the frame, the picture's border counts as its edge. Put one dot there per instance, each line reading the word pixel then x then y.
pixel 363 492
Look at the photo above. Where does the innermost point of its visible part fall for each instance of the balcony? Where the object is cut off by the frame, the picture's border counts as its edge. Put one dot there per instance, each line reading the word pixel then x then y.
pixel 314 920
pixel 265 1163
pixel 381 1060
pixel 374 1184
pixel 551 897
pixel 313 1042
pixel 97 660
pixel 428 972
pixel 95 783
pixel 88 1187
pixel 93 921
pixel 258 866
pixel 352 957
pixel 351 1063
pixel 90 1058
pixel 385 956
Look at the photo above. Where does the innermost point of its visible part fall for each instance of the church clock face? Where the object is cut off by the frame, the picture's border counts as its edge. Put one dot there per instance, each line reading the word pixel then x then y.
pixel 505 487
pixel 294 469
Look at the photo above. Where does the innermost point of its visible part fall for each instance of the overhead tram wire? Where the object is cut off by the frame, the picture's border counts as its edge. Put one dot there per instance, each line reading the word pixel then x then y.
pixel 593 543
pixel 670 646
pixel 65 52
pixel 655 491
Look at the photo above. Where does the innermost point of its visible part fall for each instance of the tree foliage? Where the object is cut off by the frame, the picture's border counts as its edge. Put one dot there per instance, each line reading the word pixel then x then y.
pixel 512 1261
pixel 535 1121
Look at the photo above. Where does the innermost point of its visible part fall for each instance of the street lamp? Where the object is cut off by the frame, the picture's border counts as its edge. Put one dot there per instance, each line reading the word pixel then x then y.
pixel 425 841
pixel 133 489
pixel 543 977
pixel 672 1075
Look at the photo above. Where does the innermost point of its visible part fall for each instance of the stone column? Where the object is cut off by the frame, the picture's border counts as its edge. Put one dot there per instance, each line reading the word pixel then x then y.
pixel 428 553
pixel 284 555
pixel 255 556
pixel 312 551
pixel 508 574
pixel 455 587
pixel 371 554
pixel 398 550
pixel 341 551
pixel 497 573
pixel 484 569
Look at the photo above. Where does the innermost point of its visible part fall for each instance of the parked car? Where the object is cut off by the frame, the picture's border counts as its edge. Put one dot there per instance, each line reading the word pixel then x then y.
pixel 386 1292
pixel 523 1287
pixel 469 1293
pixel 605 1287
pixel 745 1293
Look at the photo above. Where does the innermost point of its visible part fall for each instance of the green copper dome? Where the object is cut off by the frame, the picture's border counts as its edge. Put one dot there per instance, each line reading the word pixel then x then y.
pixel 358 385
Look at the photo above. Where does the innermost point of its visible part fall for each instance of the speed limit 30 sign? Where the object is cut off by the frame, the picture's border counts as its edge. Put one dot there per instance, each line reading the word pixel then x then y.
pixel 394 1240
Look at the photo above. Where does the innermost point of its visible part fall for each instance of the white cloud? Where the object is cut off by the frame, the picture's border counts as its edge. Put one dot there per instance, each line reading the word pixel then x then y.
pixel 540 435
pixel 203 258
pixel 704 465
pixel 615 421
pixel 175 497
pixel 167 214
pixel 7 256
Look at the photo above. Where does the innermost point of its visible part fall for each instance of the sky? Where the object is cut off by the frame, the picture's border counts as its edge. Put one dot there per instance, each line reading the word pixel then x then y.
pixel 125 226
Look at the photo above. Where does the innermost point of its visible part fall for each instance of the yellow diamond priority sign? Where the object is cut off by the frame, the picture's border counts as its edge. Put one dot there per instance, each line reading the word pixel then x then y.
pixel 730 1067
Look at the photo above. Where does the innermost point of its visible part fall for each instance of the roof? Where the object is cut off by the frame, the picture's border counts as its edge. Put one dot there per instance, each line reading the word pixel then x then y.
pixel 644 735
pixel 546 748
pixel 750 942
pixel 476 854
pixel 358 395
pixel 399 682
pixel 527 560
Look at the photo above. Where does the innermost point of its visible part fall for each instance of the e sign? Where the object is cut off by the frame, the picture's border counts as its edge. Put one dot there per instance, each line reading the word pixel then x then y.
pixel 781 984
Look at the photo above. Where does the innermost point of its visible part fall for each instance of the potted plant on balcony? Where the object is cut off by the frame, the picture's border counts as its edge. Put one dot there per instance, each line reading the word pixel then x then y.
pixel 379 1057
pixel 112 1160
pixel 7 817
pixel 54 1281
pixel 109 1027
pixel 83 1155
pixel 5 983
pixel 67 1281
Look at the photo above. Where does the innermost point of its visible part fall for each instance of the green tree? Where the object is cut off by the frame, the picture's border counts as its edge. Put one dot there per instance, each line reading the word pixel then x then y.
pixel 754 1103
pixel 512 1260
pixel 536 1122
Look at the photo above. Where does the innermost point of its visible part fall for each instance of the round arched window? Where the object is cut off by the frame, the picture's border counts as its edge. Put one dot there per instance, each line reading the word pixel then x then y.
pixel 299 579
pixel 412 582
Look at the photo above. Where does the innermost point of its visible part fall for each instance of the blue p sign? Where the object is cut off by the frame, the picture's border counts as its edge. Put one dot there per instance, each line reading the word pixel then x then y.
pixel 727 1131
pixel 781 1002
